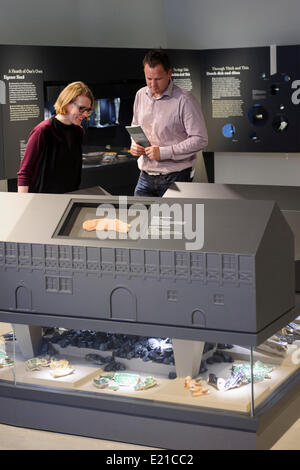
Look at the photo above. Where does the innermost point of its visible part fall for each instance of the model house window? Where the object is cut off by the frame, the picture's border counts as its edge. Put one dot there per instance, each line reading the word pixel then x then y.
pixel 229 262
pixel 78 252
pixel 51 283
pixel 65 285
pixel 51 251
pixel 64 252
pixel 197 260
pixel 180 259
pixel 10 249
pixel 120 256
pixel 218 299
pixel 24 250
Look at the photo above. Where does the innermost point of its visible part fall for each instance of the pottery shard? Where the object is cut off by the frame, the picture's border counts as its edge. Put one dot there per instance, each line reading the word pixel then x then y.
pixel 106 224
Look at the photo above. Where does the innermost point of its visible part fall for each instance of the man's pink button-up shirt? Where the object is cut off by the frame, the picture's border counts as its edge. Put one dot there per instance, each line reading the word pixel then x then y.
pixel 175 123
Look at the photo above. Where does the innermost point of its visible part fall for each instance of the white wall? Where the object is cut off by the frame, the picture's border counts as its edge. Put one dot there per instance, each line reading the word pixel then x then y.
pixel 33 22
pixel 185 24
pixel 122 23
pixel 215 24
pixel 101 23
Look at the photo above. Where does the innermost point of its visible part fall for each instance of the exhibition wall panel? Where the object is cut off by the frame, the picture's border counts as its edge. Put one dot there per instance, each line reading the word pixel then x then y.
pixel 32 76
pixel 249 97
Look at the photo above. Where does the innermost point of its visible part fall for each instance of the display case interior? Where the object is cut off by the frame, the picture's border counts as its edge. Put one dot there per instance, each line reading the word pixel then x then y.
pixel 75 221
pixel 231 377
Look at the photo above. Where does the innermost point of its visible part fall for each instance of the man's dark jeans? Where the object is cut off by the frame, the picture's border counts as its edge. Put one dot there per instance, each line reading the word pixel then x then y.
pixel 157 185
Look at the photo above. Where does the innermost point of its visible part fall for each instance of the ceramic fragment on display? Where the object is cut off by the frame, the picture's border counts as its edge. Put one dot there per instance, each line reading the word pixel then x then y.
pixel 187 381
pixel 60 368
pixel 260 371
pixel 216 382
pixel 236 380
pixel 281 344
pixel 291 332
pixel 195 386
pixel 101 382
pixel 5 361
pixel 2 354
pixel 287 338
pixel 7 337
pixel 145 383
pixel 124 379
pixel 240 375
pixel 273 345
pixel 56 373
pixel 36 363
pixel 293 328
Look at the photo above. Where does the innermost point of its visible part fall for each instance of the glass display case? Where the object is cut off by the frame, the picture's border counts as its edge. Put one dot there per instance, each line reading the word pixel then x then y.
pixel 230 378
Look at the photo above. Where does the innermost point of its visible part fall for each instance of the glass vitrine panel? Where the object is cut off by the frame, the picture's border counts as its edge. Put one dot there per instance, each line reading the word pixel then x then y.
pixel 214 376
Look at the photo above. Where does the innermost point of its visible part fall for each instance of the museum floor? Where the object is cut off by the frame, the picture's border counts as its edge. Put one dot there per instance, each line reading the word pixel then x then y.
pixel 13 438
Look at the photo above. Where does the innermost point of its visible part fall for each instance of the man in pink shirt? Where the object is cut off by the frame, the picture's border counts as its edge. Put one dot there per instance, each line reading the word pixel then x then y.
pixel 172 120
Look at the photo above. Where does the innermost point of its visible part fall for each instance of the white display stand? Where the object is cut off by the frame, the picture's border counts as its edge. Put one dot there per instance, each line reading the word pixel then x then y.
pixel 188 355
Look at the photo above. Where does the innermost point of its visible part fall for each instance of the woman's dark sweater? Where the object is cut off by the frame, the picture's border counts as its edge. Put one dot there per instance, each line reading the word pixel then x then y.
pixel 53 158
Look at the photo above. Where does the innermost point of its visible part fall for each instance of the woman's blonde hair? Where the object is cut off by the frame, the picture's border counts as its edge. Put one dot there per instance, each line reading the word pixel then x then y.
pixel 69 94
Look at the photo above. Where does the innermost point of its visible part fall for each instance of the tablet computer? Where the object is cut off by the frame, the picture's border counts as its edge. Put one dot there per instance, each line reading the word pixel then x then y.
pixel 138 135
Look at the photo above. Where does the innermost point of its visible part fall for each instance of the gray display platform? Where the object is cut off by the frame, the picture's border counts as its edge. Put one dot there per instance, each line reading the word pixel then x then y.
pixel 287 197
pixel 93 190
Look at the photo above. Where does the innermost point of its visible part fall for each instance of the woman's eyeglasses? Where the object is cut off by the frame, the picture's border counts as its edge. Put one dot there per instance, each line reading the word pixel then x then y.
pixel 83 109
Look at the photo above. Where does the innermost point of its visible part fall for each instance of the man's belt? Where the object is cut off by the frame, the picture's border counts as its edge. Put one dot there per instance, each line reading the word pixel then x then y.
pixel 164 174
pixel 153 174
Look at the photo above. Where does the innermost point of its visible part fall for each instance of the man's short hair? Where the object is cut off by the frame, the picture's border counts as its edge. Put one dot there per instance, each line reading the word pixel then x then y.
pixel 157 57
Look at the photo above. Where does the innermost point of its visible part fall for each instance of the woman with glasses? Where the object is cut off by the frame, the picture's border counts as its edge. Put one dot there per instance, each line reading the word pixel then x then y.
pixel 53 158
